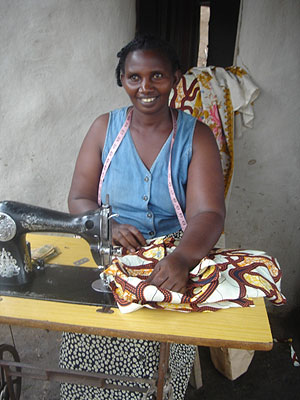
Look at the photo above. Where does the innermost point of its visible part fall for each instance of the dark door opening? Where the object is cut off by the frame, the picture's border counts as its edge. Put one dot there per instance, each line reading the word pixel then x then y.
pixel 178 21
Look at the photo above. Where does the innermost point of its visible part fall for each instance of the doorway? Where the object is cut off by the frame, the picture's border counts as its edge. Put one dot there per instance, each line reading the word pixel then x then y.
pixel 179 22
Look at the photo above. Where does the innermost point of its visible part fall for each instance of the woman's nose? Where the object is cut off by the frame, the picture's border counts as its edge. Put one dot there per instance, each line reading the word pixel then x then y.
pixel 146 85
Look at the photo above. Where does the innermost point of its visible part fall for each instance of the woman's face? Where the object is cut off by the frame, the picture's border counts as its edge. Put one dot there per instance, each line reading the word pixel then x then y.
pixel 148 79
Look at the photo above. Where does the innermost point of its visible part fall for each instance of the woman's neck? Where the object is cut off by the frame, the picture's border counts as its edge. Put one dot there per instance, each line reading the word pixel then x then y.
pixel 151 121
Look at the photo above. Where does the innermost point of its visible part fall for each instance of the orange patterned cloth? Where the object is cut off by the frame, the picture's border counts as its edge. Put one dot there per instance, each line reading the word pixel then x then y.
pixel 223 279
pixel 215 95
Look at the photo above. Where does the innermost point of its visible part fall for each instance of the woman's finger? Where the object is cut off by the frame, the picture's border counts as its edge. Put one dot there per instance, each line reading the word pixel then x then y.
pixel 128 236
pixel 178 287
pixel 158 277
pixel 159 281
pixel 137 235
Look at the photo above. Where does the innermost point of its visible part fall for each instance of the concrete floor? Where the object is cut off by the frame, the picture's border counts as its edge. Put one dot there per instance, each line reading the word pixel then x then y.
pixel 271 375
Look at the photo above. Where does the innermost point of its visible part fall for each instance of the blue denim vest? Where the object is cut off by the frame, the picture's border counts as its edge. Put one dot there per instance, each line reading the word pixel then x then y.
pixel 141 197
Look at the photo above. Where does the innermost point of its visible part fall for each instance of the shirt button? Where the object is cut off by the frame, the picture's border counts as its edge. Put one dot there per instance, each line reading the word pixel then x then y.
pixel 151 233
pixel 149 215
pixel 146 179
pixel 145 198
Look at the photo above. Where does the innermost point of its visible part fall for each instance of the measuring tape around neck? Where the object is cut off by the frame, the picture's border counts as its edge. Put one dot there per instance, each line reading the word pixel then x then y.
pixel 114 148
pixel 174 200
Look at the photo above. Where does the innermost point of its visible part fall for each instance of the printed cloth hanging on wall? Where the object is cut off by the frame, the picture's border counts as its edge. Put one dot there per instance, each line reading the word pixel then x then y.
pixel 215 96
pixel 223 279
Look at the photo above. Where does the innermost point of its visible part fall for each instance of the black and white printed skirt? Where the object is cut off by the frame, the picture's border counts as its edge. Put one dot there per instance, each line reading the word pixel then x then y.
pixel 120 356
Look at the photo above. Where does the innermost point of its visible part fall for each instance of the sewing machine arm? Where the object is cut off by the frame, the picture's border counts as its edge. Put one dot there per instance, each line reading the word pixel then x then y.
pixel 17 219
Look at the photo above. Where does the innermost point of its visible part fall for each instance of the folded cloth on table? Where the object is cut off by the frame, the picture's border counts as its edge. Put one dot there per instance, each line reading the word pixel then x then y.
pixel 225 278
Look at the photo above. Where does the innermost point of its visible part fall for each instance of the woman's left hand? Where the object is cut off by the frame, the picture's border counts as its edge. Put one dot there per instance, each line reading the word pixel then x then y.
pixel 170 273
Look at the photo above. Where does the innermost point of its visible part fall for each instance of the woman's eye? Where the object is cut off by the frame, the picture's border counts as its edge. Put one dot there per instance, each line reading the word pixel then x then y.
pixel 157 75
pixel 134 78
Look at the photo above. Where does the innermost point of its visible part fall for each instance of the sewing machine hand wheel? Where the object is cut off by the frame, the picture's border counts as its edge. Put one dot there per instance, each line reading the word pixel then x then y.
pixel 9 352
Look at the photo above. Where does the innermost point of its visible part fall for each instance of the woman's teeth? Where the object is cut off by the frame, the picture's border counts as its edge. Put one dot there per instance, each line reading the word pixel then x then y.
pixel 148 100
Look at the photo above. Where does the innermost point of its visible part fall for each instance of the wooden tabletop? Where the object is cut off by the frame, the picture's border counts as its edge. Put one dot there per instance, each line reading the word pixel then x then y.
pixel 246 328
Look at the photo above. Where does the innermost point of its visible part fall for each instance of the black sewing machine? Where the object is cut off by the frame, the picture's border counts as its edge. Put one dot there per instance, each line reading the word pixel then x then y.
pixel 16 268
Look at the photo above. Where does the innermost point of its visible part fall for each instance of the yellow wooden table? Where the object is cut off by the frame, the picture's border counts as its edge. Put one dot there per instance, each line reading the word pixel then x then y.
pixel 243 328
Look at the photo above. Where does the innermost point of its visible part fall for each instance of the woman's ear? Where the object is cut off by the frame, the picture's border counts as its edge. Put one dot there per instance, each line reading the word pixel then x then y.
pixel 177 77
pixel 121 77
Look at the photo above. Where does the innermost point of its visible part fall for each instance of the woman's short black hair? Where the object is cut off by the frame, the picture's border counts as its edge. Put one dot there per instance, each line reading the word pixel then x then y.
pixel 146 42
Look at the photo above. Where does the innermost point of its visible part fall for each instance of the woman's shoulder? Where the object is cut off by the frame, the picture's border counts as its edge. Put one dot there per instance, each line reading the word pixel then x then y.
pixel 186 121
pixel 100 125
pixel 100 122
pixel 116 113
pixel 185 117
pixel 188 126
pixel 200 134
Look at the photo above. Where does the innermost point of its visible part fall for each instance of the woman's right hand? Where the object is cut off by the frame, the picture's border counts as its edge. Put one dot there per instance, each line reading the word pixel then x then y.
pixel 127 236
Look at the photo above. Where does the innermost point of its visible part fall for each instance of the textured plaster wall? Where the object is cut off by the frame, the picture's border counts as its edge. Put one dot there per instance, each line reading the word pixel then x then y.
pixel 264 205
pixel 56 76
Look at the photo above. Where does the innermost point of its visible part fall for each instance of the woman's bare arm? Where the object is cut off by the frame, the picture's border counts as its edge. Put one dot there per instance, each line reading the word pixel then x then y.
pixel 205 203
pixel 83 195
pixel 205 213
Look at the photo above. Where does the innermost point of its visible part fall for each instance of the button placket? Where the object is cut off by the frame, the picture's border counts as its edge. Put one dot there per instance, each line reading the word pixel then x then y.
pixel 146 197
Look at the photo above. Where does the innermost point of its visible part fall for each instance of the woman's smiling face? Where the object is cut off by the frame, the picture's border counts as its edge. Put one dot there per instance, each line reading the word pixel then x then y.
pixel 148 79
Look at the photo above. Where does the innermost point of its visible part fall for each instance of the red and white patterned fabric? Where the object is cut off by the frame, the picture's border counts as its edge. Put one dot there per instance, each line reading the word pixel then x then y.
pixel 225 278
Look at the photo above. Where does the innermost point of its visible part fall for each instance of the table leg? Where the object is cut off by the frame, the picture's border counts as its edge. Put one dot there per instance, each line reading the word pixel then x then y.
pixel 8 384
pixel 162 369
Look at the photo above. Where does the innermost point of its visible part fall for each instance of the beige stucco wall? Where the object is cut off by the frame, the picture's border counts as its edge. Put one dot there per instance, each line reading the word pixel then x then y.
pixel 264 210
pixel 56 76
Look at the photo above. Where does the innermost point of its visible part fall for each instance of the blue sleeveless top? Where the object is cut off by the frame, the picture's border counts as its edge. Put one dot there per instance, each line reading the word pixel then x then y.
pixel 141 196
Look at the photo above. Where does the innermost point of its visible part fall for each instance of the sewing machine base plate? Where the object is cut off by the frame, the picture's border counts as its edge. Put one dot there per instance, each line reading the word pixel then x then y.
pixel 64 283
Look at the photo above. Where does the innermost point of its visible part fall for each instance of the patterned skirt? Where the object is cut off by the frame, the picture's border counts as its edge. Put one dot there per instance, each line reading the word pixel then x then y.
pixel 120 356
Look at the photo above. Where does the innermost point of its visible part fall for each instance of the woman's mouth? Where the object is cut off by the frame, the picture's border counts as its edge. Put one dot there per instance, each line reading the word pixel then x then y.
pixel 147 100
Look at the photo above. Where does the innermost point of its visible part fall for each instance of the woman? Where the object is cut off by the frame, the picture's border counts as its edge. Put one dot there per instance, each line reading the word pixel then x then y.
pixel 140 191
